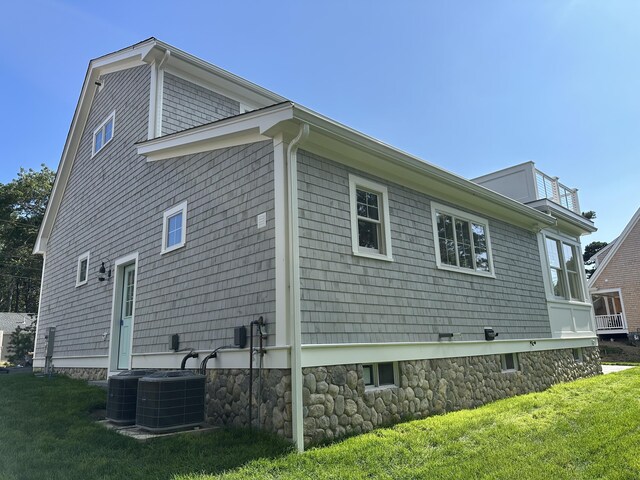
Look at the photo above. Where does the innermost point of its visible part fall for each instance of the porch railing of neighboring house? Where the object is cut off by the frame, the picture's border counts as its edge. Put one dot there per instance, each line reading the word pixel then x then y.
pixel 611 322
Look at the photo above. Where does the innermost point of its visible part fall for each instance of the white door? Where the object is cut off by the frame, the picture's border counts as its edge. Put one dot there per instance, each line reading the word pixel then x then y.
pixel 126 316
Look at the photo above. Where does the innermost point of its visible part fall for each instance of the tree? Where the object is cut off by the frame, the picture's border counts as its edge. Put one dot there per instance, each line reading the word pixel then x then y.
pixel 593 248
pixel 21 343
pixel 590 215
pixel 22 205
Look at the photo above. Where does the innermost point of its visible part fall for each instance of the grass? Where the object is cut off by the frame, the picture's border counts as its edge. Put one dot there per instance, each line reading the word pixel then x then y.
pixel 46 432
pixel 588 429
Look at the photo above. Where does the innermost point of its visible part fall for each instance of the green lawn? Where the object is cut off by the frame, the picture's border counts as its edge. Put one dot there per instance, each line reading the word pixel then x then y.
pixel 588 429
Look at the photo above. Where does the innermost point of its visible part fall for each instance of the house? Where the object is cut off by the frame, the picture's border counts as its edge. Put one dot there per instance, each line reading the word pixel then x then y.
pixel 190 202
pixel 615 283
pixel 9 322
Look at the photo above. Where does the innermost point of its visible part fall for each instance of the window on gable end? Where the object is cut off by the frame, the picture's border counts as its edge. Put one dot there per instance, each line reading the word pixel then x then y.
pixel 174 228
pixel 104 133
pixel 370 229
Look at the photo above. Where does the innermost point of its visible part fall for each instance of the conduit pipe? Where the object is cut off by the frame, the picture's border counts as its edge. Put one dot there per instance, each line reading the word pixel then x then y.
pixel 294 288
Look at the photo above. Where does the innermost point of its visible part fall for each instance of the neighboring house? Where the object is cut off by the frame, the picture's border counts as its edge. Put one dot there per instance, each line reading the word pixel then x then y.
pixel 9 322
pixel 615 284
pixel 189 201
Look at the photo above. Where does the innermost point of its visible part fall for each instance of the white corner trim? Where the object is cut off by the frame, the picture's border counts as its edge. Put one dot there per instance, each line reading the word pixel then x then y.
pixel 385 252
pixel 168 214
pixel 81 258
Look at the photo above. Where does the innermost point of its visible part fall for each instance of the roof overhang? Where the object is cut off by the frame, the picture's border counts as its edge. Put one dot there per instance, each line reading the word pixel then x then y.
pixel 343 144
pixel 568 221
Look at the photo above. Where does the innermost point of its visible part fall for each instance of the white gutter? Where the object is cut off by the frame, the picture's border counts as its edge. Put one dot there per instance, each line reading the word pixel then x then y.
pixel 294 290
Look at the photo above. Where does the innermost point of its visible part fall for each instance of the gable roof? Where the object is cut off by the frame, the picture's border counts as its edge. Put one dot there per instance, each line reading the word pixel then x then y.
pixel 616 246
pixel 9 321
pixel 148 52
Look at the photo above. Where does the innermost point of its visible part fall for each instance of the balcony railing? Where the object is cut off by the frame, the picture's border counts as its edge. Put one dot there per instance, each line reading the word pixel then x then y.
pixel 611 323
pixel 549 187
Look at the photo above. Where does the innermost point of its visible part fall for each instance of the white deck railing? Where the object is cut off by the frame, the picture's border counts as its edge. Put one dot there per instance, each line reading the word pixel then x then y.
pixel 611 322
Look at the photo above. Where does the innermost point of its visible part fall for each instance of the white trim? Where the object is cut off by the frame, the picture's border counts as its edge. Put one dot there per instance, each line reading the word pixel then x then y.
pixel 385 249
pixel 153 99
pixel 281 241
pixel 81 258
pixel 471 218
pixel 76 361
pixel 111 118
pixel 119 265
pixel 38 322
pixel 348 353
pixel 577 249
pixel 181 208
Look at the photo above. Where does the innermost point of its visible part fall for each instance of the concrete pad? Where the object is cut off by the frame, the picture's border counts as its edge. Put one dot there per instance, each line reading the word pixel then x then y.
pixel 615 368
pixel 142 435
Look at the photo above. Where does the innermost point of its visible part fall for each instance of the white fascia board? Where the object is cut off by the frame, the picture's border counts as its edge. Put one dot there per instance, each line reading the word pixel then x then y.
pixel 238 130
pixel 341 354
pixel 88 361
pixel 345 134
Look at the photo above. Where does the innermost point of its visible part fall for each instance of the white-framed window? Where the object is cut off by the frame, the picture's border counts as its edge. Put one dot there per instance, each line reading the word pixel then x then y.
pixel 509 362
pixel 564 262
pixel 104 133
pixel 82 271
pixel 462 241
pixel 380 374
pixel 577 354
pixel 370 228
pixel 174 228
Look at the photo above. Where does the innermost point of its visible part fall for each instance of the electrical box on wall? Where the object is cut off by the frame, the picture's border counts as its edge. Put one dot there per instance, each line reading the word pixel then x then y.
pixel 174 342
pixel 240 336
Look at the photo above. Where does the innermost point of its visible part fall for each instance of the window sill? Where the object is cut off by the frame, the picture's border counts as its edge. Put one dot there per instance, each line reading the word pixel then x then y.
pixel 379 388
pixel 79 284
pixel 375 256
pixel 512 370
pixel 172 249
pixel 465 271
pixel 564 301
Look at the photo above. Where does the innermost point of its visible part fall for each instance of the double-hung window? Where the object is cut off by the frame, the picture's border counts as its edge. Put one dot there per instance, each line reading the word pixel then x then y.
pixel 564 269
pixel 174 228
pixel 462 241
pixel 104 133
pixel 82 270
pixel 370 229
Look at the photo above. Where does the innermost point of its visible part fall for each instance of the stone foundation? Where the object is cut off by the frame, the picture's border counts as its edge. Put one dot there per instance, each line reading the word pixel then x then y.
pixel 88 374
pixel 336 402
pixel 228 399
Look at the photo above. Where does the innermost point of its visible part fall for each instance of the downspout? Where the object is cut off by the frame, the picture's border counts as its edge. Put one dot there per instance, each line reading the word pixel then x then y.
pixel 294 289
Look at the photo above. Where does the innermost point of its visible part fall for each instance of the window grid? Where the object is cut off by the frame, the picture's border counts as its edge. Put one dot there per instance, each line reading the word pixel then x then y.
pixel 464 246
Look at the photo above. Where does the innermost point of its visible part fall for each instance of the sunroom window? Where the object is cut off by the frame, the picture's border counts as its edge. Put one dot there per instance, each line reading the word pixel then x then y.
pixel 564 270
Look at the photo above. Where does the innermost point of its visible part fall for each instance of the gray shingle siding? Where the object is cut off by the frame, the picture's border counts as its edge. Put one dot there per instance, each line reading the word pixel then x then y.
pixel 113 206
pixel 346 298
pixel 186 105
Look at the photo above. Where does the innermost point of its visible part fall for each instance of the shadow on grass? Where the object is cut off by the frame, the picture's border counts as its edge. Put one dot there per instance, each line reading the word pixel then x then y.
pixel 47 431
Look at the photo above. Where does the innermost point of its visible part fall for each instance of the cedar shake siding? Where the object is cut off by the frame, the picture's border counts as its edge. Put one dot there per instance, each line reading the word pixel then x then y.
pixel 623 271
pixel 186 105
pixel 351 299
pixel 113 206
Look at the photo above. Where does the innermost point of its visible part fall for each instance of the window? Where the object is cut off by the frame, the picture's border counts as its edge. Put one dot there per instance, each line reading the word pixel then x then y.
pixel 104 133
pixel 577 354
pixel 462 241
pixel 370 229
pixel 564 269
pixel 379 374
pixel 174 228
pixel 82 272
pixel 509 362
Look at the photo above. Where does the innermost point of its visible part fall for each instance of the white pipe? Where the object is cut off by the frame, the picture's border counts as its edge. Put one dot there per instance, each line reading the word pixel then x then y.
pixel 294 290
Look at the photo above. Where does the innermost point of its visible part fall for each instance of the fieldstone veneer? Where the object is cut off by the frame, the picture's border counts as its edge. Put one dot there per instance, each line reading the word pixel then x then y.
pixel 337 403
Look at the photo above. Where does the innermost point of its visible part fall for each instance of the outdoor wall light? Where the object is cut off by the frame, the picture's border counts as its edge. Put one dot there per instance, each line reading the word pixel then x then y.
pixel 102 271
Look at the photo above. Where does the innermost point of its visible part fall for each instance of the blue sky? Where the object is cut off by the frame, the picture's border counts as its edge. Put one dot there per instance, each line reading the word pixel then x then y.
pixel 472 86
